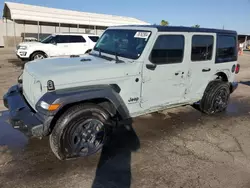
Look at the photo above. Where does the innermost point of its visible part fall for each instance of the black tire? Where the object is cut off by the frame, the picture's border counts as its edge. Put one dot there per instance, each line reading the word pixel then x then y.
pixel 73 130
pixel 215 98
pixel 36 55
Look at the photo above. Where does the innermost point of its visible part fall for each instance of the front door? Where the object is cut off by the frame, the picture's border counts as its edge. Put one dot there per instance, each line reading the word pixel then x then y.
pixel 60 46
pixel 165 72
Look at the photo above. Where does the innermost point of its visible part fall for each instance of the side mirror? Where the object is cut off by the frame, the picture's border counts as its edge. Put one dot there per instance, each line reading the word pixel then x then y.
pixel 151 66
pixel 53 42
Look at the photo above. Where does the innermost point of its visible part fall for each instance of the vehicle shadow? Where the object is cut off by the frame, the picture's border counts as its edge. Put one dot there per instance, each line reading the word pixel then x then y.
pixel 17 62
pixel 114 167
pixel 245 83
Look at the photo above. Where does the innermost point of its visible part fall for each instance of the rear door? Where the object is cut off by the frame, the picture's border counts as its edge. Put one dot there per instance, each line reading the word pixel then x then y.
pixel 78 45
pixel 201 63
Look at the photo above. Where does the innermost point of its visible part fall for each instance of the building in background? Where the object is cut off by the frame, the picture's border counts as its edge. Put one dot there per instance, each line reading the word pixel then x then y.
pixel 22 20
pixel 244 39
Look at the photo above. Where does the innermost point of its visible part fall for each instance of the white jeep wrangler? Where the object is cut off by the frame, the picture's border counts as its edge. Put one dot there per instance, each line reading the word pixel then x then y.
pixel 132 71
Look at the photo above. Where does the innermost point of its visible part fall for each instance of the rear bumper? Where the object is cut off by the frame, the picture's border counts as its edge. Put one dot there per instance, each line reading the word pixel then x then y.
pixel 233 86
pixel 22 116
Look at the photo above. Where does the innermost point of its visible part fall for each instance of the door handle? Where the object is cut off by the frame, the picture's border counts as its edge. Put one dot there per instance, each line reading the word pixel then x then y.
pixel 151 66
pixel 206 70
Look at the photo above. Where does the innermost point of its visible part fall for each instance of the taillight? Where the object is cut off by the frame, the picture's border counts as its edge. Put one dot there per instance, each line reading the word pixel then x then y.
pixel 237 69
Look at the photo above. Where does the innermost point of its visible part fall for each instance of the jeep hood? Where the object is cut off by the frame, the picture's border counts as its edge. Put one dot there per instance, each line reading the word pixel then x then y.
pixel 75 71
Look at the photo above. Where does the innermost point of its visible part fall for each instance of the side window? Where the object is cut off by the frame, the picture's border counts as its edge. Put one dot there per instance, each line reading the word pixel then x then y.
pixel 76 39
pixel 202 47
pixel 168 49
pixel 226 49
pixel 93 38
pixel 62 39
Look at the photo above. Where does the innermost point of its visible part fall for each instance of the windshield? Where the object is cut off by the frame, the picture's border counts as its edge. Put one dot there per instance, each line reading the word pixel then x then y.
pixel 124 43
pixel 49 39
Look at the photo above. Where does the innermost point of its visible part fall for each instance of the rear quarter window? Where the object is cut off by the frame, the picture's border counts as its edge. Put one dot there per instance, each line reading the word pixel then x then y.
pixel 226 49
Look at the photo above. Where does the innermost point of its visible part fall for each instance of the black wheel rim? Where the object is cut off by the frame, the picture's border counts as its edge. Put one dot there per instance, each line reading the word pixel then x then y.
pixel 86 137
pixel 221 100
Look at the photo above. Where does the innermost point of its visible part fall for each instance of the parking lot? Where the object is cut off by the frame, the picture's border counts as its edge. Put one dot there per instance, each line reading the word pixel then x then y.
pixel 179 148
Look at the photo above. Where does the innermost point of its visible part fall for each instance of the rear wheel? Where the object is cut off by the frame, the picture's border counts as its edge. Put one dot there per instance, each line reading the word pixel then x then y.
pixel 81 131
pixel 215 98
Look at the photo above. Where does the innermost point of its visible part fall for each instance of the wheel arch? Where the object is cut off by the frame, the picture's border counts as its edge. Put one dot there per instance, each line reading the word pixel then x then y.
pixel 221 76
pixel 106 96
pixel 38 51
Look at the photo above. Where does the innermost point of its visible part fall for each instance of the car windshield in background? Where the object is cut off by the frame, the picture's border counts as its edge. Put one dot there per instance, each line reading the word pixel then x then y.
pixel 94 38
pixel 124 43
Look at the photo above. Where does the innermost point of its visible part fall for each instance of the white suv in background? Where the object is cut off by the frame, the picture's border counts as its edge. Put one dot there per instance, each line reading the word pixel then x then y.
pixel 55 45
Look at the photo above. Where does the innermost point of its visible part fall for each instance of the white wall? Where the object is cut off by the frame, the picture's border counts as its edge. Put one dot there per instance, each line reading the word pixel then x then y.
pixel 1 33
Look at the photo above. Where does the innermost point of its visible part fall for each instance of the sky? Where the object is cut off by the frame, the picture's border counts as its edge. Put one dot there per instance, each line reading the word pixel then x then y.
pixel 230 14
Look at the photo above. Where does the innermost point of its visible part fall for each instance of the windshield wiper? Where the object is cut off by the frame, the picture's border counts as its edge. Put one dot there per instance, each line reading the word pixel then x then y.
pixel 117 60
pixel 101 56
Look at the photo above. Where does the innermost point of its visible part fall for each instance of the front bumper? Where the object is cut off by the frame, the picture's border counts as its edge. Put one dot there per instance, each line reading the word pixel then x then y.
pixel 233 86
pixel 22 116
pixel 22 54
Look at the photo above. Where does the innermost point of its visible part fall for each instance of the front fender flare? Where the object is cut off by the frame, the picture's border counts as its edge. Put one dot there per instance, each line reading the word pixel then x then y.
pixel 80 94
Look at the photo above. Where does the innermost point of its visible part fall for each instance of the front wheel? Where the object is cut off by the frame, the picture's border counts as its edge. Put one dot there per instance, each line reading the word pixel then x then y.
pixel 215 98
pixel 81 131
pixel 38 55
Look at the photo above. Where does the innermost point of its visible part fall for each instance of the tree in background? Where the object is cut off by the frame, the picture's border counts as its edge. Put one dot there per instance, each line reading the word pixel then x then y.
pixel 164 23
pixel 197 26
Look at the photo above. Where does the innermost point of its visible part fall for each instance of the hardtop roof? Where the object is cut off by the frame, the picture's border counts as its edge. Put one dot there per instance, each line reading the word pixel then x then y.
pixel 82 34
pixel 184 29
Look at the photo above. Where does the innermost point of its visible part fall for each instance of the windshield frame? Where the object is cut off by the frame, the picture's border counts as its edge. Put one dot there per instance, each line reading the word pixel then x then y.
pixel 121 54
